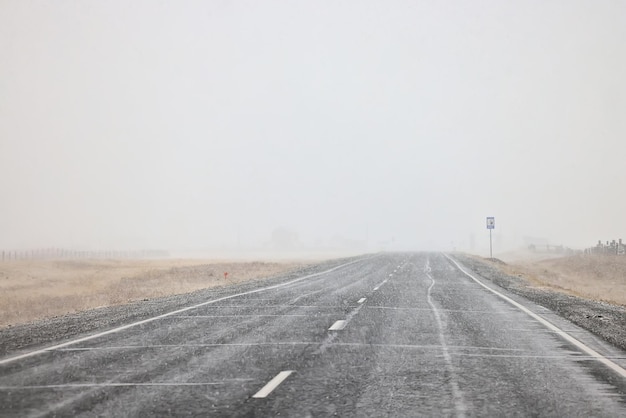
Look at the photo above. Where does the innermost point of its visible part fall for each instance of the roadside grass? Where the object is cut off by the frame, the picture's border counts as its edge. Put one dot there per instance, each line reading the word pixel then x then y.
pixel 597 277
pixel 31 290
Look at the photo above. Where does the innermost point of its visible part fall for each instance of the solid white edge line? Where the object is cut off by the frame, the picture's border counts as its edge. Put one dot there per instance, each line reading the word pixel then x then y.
pixel 362 300
pixel 613 366
pixel 165 315
pixel 272 384
pixel 338 325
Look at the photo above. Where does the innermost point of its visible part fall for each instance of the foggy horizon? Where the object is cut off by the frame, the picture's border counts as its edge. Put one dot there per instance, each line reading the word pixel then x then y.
pixel 359 125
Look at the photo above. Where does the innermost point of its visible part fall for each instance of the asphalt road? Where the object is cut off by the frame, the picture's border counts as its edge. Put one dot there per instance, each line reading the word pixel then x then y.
pixel 388 335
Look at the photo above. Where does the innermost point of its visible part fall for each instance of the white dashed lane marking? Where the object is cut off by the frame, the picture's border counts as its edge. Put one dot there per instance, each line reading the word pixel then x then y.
pixel 380 284
pixel 361 300
pixel 338 325
pixel 272 384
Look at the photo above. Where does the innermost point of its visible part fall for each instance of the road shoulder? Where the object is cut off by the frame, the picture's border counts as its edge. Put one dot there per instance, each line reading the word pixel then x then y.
pixel 42 333
pixel 602 319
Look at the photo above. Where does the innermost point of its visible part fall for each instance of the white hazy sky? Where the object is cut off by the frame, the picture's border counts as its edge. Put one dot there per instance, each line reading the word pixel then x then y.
pixel 198 124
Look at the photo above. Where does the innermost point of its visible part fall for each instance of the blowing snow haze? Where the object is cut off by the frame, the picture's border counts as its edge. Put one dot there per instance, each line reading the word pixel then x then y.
pixel 403 124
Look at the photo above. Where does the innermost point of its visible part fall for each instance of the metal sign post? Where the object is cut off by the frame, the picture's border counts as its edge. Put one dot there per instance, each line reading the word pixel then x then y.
pixel 491 224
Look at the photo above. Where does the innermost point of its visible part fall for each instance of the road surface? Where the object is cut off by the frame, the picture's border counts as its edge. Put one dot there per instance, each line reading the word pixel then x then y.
pixel 385 335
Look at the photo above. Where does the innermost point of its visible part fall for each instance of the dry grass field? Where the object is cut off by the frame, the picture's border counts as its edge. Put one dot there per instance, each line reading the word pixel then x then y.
pixel 31 290
pixel 598 277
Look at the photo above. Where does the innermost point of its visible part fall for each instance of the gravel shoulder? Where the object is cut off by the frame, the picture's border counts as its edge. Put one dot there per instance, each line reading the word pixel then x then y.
pixel 606 320
pixel 55 330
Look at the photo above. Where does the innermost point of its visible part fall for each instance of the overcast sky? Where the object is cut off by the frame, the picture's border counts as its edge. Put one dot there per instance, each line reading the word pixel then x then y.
pixel 208 124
